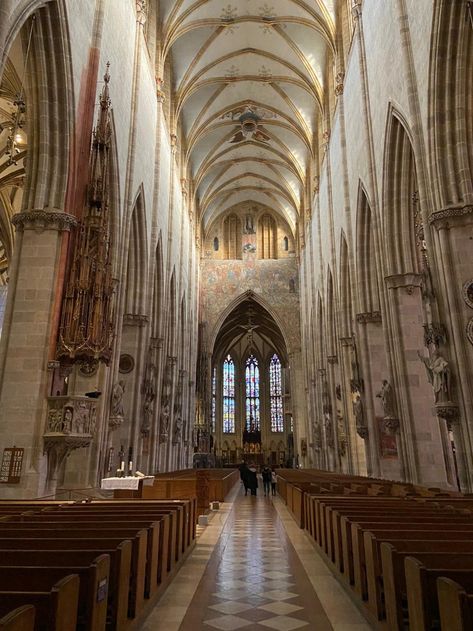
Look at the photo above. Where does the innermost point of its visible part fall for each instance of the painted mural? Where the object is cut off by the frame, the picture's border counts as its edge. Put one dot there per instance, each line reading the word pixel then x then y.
pixel 275 281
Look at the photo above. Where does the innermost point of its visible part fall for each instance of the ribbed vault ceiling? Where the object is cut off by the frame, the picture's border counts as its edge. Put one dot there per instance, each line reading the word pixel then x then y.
pixel 248 83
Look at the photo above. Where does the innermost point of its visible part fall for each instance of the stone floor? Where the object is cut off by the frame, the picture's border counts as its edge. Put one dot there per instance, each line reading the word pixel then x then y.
pixel 253 568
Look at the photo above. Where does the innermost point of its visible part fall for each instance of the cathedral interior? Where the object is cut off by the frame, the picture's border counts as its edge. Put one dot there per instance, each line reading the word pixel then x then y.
pixel 235 231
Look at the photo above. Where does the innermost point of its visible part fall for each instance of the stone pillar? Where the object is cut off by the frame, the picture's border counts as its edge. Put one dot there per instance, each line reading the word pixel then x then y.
pixel 452 236
pixel 420 435
pixel 356 443
pixel 25 343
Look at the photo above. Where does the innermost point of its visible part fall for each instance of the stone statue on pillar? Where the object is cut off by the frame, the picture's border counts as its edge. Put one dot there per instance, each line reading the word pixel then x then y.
pixel 438 374
pixel 117 413
pixel 386 394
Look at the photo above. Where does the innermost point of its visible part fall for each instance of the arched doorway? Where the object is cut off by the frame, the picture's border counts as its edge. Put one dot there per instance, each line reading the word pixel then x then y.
pixel 251 401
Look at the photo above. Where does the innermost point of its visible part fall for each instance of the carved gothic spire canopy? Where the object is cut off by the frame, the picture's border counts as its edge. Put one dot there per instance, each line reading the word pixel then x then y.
pixel 86 328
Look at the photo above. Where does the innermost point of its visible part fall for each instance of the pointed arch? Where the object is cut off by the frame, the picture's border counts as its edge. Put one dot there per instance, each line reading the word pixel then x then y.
pixel 366 263
pixel 232 237
pixel 157 307
pixel 228 394
pixel 330 325
pixel 451 104
pixel 172 316
pixel 137 258
pixel 346 290
pixel 276 407
pixel 400 196
pixel 267 237
pixel 234 304
pixel 252 393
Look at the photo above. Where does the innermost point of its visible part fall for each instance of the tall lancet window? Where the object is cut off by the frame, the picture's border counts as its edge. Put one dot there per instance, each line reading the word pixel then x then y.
pixel 228 396
pixel 252 394
pixel 214 401
pixel 275 394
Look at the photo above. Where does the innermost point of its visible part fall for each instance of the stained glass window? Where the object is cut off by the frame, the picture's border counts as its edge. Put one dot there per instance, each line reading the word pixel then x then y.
pixel 214 400
pixel 252 394
pixel 275 395
pixel 228 396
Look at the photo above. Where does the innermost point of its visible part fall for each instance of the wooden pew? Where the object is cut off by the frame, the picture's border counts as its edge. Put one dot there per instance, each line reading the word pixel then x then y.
pixel 386 580
pixel 390 600
pixel 89 539
pixel 421 586
pixel 119 581
pixel 93 577
pixel 455 605
pixel 153 549
pixel 21 619
pixel 357 530
pixel 56 608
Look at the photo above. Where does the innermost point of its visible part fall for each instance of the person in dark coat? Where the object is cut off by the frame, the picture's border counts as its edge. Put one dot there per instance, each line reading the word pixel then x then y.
pixel 266 474
pixel 244 475
pixel 252 479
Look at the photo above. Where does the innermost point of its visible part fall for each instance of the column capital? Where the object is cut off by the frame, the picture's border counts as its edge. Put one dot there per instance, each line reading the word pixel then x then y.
pixel 356 9
pixel 339 78
pixel 41 220
pixel 368 316
pixel 406 281
pixel 141 12
pixel 135 319
pixel 442 218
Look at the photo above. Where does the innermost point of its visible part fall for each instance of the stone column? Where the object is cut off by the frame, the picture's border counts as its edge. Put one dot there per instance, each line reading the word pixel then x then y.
pixel 373 359
pixel 420 436
pixel 452 236
pixel 25 343
pixel 356 445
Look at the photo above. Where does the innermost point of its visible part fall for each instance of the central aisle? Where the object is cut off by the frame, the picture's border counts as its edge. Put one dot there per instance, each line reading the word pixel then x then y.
pixel 254 577
pixel 254 568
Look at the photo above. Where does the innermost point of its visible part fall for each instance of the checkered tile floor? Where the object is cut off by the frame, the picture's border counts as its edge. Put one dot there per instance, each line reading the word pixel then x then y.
pixel 254 579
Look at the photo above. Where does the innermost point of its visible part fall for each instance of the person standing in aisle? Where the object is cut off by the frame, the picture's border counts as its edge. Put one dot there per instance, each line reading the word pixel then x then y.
pixel 266 474
pixel 252 478
pixel 274 479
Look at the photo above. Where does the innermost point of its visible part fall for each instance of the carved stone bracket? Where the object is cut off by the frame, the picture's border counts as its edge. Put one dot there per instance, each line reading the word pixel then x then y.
pixel 362 431
pixel 115 421
pixel 449 412
pixel 434 333
pixel 391 426
pixel 332 359
pixel 440 218
pixel 58 447
pixel 369 316
pixel 409 282
pixel 347 341
pixel 156 342
pixel 41 220
pixel 339 78
pixel 135 319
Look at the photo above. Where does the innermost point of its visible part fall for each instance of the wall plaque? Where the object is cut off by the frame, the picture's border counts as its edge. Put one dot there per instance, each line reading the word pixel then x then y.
pixel 12 463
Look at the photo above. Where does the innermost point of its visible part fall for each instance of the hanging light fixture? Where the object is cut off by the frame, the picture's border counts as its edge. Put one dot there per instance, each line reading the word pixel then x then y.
pixel 17 138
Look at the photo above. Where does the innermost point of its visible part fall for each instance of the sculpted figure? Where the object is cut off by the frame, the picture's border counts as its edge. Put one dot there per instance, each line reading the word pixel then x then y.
pixel 438 374
pixel 177 430
pixel 386 395
pixel 117 399
pixel 164 421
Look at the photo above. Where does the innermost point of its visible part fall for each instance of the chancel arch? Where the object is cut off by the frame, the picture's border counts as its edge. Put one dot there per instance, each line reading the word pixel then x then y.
pixel 250 392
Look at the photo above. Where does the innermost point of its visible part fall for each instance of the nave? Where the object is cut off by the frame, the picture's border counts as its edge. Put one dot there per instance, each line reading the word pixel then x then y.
pixel 253 568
